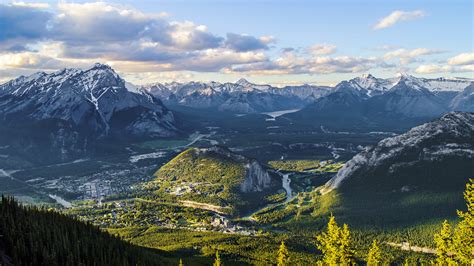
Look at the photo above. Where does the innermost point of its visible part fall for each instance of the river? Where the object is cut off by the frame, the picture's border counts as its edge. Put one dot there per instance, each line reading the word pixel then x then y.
pixel 286 185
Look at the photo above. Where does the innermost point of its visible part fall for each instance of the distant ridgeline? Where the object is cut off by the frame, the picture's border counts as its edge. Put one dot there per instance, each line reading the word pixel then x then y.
pixel 36 236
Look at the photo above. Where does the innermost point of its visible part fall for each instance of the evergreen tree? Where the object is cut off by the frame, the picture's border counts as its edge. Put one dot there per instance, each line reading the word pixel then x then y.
pixel 217 261
pixel 28 238
pixel 463 238
pixel 283 255
pixel 374 257
pixel 443 241
pixel 347 253
pixel 335 244
pixel 458 247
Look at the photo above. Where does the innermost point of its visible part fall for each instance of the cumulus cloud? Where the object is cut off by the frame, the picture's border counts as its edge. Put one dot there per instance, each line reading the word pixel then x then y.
pixel 322 49
pixel 47 37
pixel 398 16
pixel 409 56
pixel 292 62
pixel 245 42
pixel 432 68
pixel 100 30
pixel 23 23
pixel 462 59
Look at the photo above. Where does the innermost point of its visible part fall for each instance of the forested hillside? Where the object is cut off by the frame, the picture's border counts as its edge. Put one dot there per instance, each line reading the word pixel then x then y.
pixel 36 236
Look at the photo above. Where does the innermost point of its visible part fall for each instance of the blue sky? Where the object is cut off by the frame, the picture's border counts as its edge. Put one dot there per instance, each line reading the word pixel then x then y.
pixel 278 42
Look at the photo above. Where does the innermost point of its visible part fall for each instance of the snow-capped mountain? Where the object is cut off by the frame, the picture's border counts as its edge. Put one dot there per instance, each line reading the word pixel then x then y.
pixel 96 101
pixel 409 99
pixel 246 97
pixel 368 85
pixel 242 96
pixel 447 142
pixel 373 86
pixel 394 103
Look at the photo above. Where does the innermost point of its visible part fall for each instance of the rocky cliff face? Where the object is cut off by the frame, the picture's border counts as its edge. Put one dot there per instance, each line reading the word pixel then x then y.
pixel 256 178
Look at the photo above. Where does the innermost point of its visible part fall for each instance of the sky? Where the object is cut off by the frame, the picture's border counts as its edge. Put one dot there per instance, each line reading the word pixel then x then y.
pixel 278 42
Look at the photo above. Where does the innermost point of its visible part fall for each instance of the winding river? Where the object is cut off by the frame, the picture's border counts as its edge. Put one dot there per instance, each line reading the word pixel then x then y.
pixel 286 185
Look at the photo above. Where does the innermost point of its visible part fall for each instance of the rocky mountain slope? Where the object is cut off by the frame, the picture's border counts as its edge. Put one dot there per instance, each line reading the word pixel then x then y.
pixel 215 176
pixel 413 179
pixel 66 111
pixel 449 138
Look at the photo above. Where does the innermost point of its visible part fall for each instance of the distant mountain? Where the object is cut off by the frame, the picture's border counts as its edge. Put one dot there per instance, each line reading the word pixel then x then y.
pixel 464 101
pixel 415 176
pixel 370 103
pixel 240 97
pixel 71 108
pixel 217 179
pixel 408 99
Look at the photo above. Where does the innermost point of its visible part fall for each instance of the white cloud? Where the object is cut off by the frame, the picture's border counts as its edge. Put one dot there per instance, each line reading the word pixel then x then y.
pixel 409 56
pixel 398 16
pixel 462 59
pixel 467 68
pixel 292 62
pixel 322 49
pixel 138 44
pixel 32 5
pixel 429 69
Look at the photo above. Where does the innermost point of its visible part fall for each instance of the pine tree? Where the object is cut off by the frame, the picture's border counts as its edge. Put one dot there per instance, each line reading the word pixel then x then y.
pixel 347 253
pixel 328 242
pixel 217 261
pixel 463 238
pixel 335 244
pixel 443 241
pixel 374 257
pixel 283 255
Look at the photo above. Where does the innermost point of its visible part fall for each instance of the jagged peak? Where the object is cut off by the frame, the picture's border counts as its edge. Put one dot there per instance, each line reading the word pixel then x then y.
pixel 243 82
pixel 101 66
pixel 367 76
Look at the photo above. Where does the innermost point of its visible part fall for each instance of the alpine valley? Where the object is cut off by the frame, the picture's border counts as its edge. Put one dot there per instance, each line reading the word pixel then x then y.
pixel 177 171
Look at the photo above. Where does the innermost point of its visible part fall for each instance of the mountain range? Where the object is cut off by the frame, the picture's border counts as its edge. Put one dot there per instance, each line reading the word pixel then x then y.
pixel 239 97
pixel 72 108
pixel 401 102
pixel 246 97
